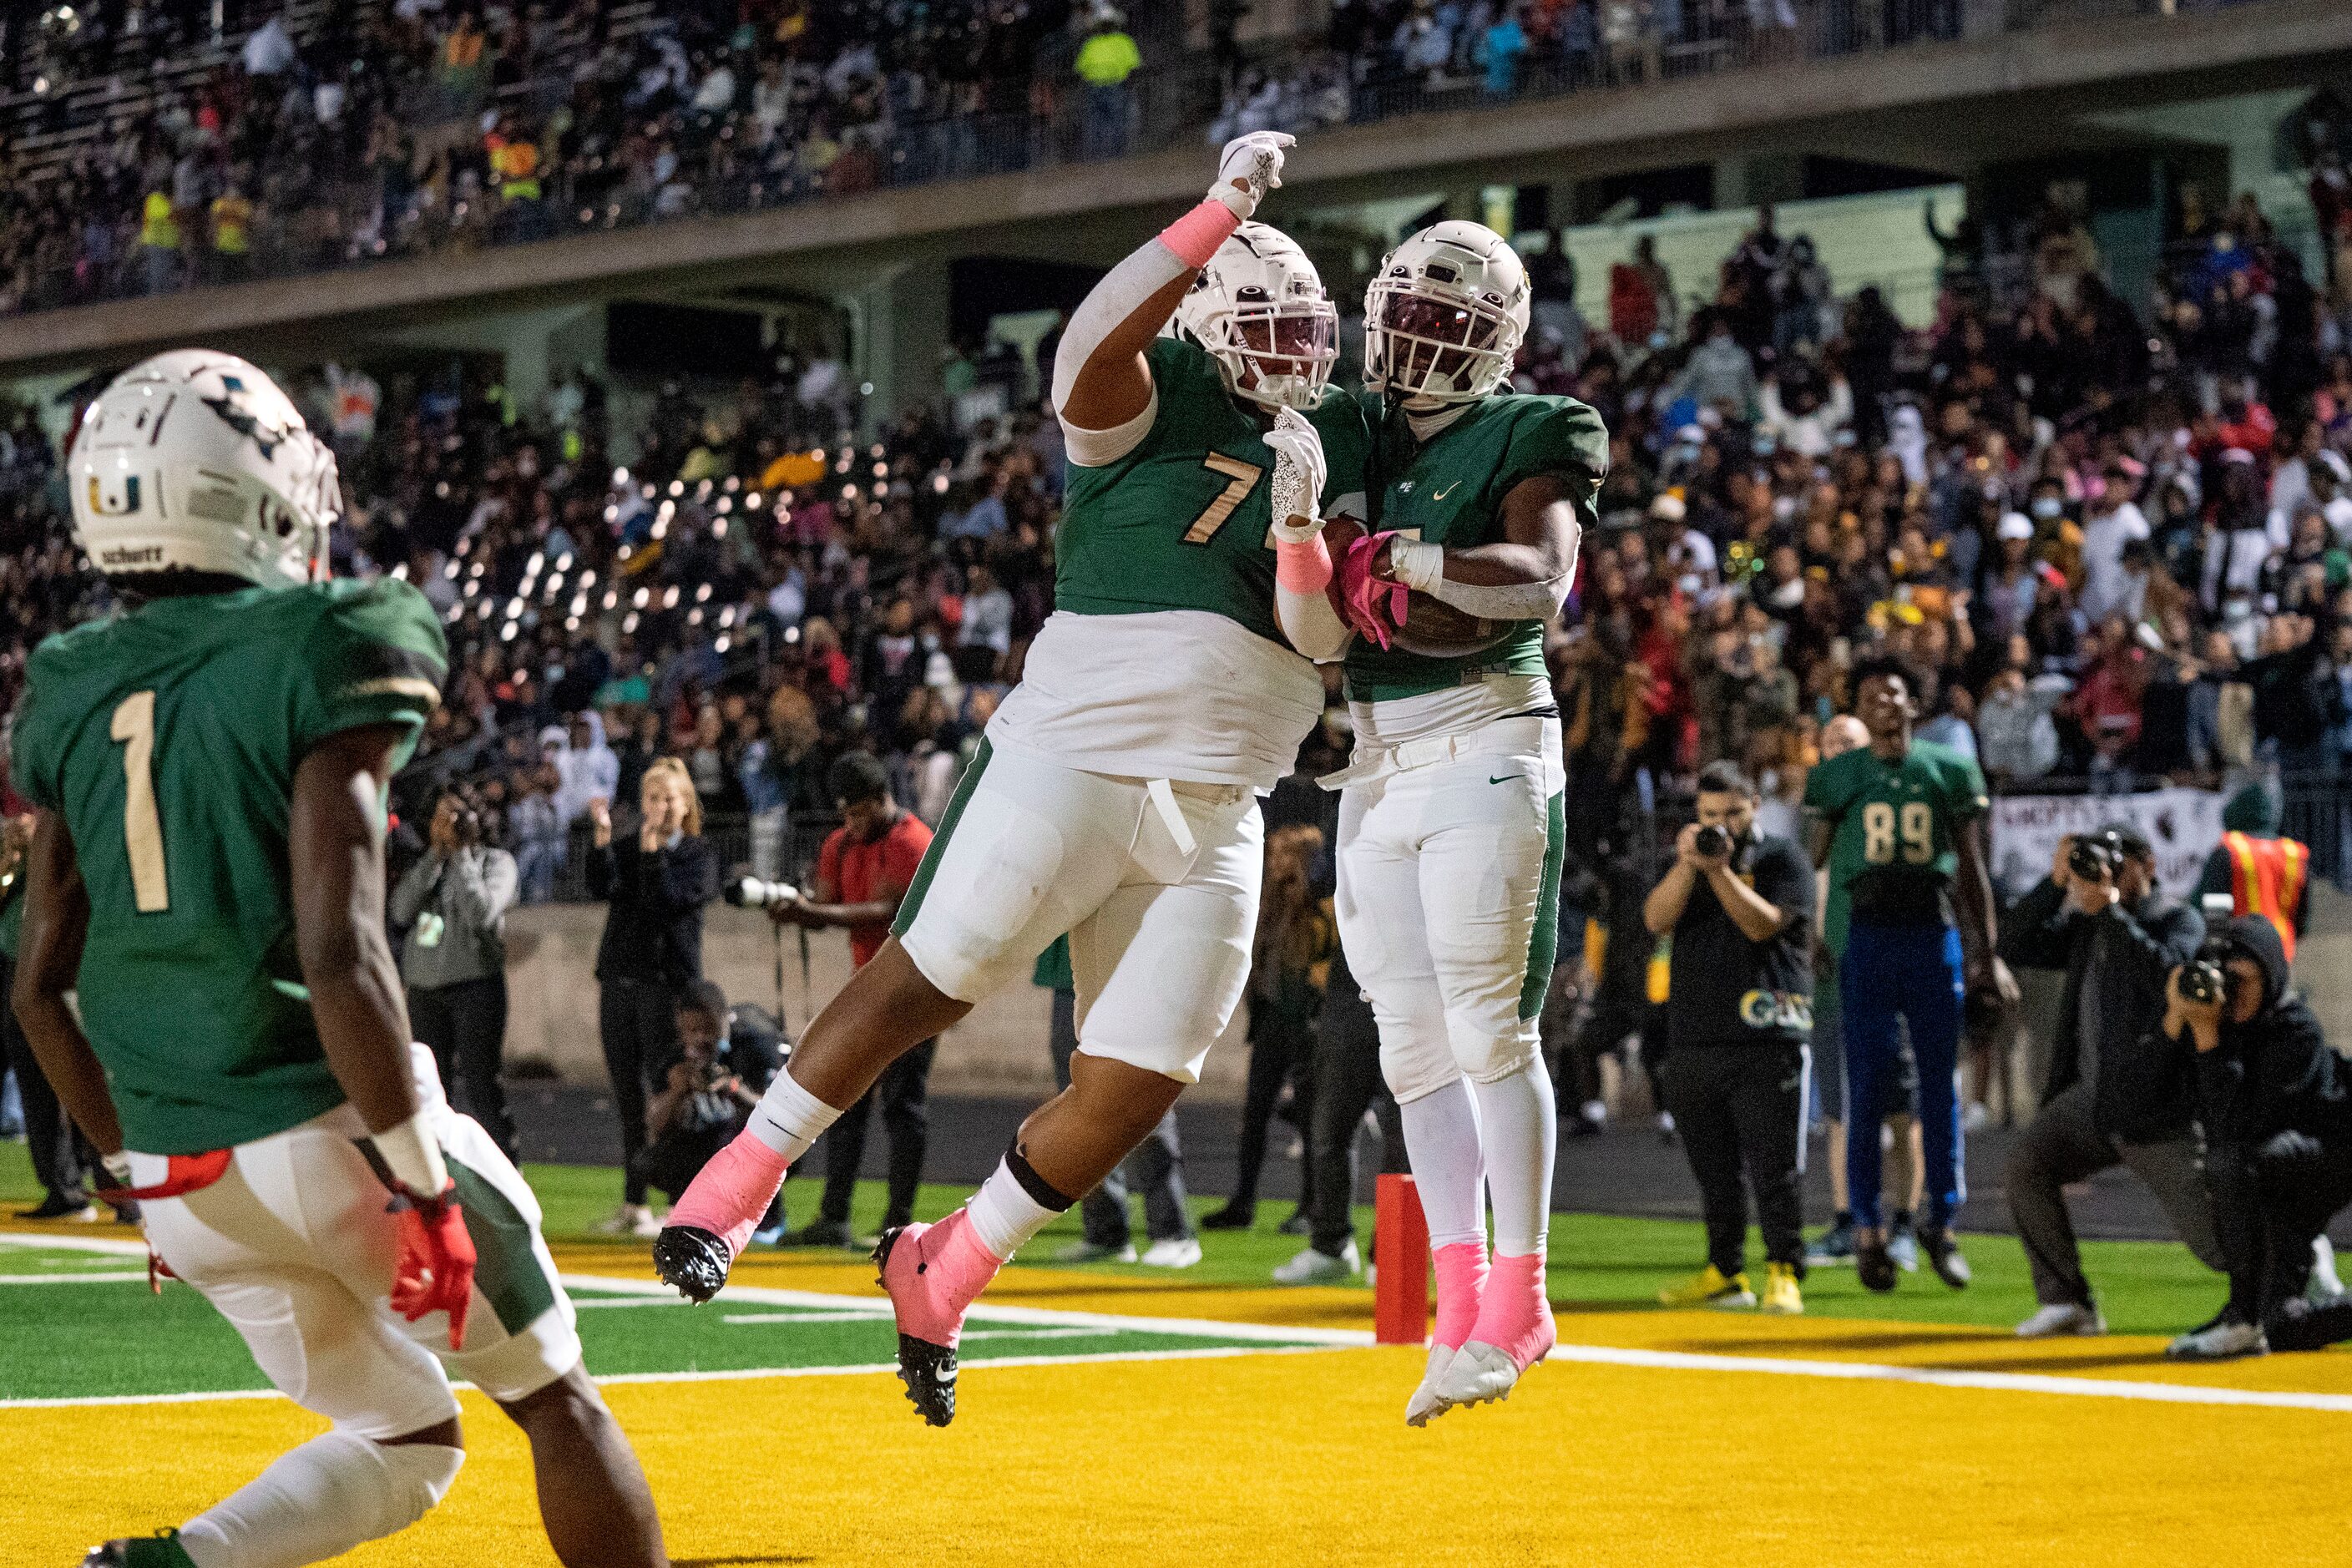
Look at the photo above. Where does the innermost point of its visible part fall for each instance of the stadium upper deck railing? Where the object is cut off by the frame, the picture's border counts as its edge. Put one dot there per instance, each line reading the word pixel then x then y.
pixel 348 225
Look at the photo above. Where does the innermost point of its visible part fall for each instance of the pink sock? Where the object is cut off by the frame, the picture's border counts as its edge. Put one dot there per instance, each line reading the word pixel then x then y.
pixel 1513 1315
pixel 732 1192
pixel 936 1271
pixel 1461 1285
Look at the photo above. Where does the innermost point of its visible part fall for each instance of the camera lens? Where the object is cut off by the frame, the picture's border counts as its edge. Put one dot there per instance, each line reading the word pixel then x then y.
pixel 1713 842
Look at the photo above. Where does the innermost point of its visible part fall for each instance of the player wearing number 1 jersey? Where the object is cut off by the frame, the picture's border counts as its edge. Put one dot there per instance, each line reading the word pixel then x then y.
pixel 208 873
pixel 1114 796
pixel 1900 824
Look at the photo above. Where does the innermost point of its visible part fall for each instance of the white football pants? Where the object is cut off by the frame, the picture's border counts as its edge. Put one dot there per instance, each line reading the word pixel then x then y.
pixel 1449 899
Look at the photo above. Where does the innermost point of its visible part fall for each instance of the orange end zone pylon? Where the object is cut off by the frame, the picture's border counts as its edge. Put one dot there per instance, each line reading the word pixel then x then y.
pixel 1400 1294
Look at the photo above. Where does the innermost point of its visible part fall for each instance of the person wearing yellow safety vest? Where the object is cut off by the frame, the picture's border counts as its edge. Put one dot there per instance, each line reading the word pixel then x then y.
pixel 514 166
pixel 232 215
pixel 1104 61
pixel 159 242
pixel 2260 871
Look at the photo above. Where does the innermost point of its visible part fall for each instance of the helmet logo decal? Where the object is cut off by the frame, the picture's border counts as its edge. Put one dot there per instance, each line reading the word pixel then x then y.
pixel 119 503
pixel 243 423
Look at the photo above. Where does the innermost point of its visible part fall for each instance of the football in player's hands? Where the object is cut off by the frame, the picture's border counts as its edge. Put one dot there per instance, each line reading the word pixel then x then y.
pixel 1432 627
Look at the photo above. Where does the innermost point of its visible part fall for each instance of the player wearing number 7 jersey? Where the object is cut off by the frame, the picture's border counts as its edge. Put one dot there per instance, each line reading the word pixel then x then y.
pixel 1114 797
pixel 1900 824
pixel 208 872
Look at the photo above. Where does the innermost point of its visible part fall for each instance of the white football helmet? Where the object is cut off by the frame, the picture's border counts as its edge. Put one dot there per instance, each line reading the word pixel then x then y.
pixel 1444 315
pixel 1260 310
pixel 196 461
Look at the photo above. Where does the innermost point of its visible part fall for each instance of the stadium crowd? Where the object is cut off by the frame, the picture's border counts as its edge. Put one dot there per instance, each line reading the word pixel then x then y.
pixel 2113 549
pixel 354 129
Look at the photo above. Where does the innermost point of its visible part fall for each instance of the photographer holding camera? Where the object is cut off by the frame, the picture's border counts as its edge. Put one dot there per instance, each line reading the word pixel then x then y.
pixel 708 1094
pixel 454 902
pixel 1738 1014
pixel 2272 1097
pixel 863 871
pixel 2117 1093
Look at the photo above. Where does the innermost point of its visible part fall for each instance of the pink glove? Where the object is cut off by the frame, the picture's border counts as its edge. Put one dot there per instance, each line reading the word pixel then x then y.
pixel 1374 608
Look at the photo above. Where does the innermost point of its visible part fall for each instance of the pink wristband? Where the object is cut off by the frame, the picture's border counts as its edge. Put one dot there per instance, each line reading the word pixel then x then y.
pixel 1304 568
pixel 1194 238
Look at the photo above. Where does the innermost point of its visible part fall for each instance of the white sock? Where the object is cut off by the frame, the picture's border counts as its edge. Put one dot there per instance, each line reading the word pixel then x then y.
pixel 1520 1126
pixel 1441 1140
pixel 790 1117
pixel 319 1500
pixel 1004 1213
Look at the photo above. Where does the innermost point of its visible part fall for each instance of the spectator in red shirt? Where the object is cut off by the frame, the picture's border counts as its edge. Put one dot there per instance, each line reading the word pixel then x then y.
pixel 863 871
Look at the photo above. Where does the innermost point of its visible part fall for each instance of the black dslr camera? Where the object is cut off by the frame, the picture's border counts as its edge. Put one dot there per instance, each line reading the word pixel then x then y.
pixel 2203 978
pixel 2095 857
pixel 1713 841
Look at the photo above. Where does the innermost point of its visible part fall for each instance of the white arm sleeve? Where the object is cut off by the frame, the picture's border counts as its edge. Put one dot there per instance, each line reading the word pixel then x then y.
pixel 1124 289
pixel 1310 622
pixel 1423 565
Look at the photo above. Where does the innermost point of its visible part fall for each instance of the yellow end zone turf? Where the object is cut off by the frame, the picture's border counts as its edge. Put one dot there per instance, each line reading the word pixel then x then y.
pixel 1305 1459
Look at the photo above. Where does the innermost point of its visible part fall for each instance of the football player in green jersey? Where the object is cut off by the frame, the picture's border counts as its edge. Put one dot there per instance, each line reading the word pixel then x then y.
pixel 1114 798
pixel 1450 825
pixel 1900 824
pixel 207 874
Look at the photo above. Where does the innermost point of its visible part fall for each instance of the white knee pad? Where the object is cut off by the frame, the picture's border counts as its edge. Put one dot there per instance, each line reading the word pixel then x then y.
pixel 1415 1063
pixel 322 1499
pixel 1485 1058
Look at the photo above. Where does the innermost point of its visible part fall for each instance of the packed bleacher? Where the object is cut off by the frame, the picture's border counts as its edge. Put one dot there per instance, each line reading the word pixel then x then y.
pixel 169 143
pixel 2111 536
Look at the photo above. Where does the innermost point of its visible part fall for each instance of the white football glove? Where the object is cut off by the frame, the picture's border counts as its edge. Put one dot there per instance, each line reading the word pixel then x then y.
pixel 1254 160
pixel 1299 471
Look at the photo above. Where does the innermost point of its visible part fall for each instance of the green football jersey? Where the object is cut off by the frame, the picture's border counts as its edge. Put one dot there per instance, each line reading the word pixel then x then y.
pixel 1894 828
pixel 1449 491
pixel 1181 521
pixel 167 739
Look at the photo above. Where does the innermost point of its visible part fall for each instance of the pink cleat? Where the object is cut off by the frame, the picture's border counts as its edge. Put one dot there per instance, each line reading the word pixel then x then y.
pixel 711 1224
pixel 932 1273
pixel 1515 1331
pixel 1461 1285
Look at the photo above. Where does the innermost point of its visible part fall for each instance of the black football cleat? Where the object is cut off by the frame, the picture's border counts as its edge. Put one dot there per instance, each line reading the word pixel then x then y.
pixel 1945 1257
pixel 692 1260
pixel 925 1367
pixel 1875 1264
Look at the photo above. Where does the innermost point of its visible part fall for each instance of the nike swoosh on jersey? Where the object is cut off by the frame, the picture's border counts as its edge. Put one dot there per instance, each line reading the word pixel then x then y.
pixel 1441 495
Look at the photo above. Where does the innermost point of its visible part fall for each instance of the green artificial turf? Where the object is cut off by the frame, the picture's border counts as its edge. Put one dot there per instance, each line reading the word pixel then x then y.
pixel 1599 1262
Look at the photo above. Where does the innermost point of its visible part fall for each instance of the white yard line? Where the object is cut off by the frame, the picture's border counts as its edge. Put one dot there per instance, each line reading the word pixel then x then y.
pixel 67 1277
pixel 50 1238
pixel 985 1311
pixel 1262 1338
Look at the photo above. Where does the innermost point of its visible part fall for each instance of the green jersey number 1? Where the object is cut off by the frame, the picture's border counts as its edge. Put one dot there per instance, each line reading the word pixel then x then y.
pixel 142 825
pixel 1879 824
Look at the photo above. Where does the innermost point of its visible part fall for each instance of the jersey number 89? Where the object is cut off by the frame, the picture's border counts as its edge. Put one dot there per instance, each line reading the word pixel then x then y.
pixel 1878 833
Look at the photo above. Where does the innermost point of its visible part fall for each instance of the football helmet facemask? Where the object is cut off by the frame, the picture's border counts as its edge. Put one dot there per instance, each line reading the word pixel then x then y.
pixel 1260 310
pixel 195 460
pixel 1444 316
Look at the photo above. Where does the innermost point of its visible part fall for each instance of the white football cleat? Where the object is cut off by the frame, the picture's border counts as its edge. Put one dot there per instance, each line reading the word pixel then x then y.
pixel 1478 1372
pixel 1172 1252
pixel 2060 1319
pixel 1425 1406
pixel 2325 1286
pixel 2221 1339
pixel 1313 1268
